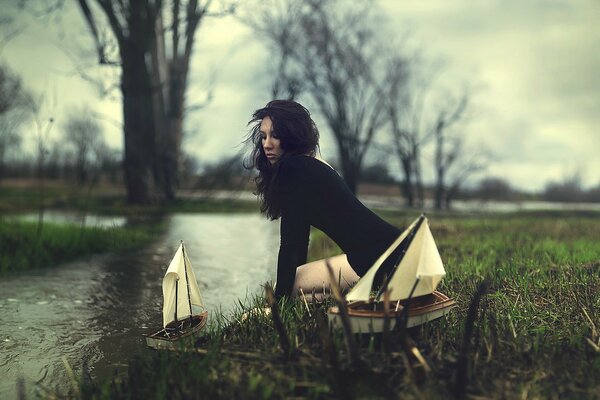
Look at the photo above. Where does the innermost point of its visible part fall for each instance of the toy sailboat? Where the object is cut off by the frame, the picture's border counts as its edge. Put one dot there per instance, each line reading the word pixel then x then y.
pixel 411 284
pixel 184 315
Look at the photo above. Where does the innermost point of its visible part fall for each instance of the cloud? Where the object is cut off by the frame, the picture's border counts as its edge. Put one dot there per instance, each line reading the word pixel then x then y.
pixel 539 63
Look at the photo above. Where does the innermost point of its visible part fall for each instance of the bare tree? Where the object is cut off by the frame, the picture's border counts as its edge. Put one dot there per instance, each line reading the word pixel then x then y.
pixel 83 134
pixel 12 113
pixel 280 25
pixel 421 112
pixel 404 106
pixel 41 111
pixel 446 154
pixel 10 137
pixel 329 51
pixel 410 112
pixel 454 160
pixel 467 162
pixel 154 43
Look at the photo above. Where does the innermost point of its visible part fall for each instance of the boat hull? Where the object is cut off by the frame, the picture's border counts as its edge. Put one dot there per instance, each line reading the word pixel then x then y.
pixel 161 340
pixel 364 319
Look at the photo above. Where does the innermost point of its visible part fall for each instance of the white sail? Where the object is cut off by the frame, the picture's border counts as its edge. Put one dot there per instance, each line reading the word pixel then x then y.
pixel 176 277
pixel 422 260
pixel 362 289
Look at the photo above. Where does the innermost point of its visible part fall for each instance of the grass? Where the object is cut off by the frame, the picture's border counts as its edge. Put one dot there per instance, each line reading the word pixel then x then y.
pixel 101 200
pixel 22 248
pixel 534 333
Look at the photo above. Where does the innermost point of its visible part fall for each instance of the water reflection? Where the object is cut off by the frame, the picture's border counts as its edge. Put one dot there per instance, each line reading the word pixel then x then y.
pixel 96 310
pixel 231 255
pixel 72 218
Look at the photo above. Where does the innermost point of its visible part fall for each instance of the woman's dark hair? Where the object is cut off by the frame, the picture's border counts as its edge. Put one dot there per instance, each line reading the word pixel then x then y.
pixel 297 133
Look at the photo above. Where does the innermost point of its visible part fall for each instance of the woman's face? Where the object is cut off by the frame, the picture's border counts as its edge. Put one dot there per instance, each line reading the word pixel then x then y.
pixel 270 142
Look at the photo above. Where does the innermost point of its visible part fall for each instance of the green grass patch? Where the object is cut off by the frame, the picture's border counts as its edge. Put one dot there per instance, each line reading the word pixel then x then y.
pixel 100 201
pixel 536 333
pixel 22 247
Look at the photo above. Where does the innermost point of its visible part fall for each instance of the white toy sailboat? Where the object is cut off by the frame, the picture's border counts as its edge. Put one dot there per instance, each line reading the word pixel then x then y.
pixel 411 284
pixel 183 310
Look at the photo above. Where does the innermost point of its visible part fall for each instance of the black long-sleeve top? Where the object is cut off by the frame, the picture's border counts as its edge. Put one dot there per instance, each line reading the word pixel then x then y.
pixel 312 193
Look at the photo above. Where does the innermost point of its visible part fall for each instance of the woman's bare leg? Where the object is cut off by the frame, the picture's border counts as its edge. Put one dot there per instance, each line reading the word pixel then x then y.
pixel 314 275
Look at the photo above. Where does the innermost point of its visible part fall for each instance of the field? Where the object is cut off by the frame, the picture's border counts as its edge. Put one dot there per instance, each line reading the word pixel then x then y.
pixel 527 326
pixel 23 246
pixel 16 197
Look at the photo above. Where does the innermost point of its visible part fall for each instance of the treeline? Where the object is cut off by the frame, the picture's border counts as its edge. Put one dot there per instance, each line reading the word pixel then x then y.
pixel 365 82
pixel 72 149
pixel 104 165
pixel 229 174
pixel 567 190
pixel 372 93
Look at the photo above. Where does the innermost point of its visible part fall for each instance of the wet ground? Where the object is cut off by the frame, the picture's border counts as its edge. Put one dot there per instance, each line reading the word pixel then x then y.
pixel 95 311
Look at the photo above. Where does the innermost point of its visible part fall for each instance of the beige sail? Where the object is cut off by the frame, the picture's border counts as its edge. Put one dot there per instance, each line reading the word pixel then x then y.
pixel 362 289
pixel 422 261
pixel 176 276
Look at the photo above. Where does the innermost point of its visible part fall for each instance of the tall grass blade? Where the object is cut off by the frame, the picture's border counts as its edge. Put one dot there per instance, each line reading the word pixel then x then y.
pixel 341 303
pixel 462 367
pixel 284 339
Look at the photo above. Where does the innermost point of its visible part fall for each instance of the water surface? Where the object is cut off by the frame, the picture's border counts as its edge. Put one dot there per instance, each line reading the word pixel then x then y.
pixel 95 311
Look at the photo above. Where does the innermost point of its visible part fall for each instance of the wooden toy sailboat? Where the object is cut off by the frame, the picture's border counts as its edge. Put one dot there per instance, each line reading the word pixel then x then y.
pixel 183 310
pixel 411 284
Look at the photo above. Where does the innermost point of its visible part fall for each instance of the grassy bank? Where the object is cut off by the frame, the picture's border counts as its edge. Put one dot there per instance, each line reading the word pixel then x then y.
pixel 534 333
pixel 22 247
pixel 109 200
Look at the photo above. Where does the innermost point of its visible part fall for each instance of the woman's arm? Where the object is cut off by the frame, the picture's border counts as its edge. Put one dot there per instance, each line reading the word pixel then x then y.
pixel 295 227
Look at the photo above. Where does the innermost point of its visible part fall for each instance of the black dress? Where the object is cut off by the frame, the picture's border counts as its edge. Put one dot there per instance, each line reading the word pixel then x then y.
pixel 312 193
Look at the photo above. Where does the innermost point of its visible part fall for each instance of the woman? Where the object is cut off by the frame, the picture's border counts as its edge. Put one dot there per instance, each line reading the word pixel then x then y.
pixel 293 184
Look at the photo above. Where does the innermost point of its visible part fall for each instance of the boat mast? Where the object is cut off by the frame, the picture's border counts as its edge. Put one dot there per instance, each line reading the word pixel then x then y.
pixel 187 282
pixel 409 240
pixel 176 298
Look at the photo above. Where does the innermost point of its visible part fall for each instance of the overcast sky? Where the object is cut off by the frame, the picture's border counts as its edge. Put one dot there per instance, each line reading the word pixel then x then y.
pixel 534 63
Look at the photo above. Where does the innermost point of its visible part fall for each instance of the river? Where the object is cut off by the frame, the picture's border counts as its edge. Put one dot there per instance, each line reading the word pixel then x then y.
pixel 94 312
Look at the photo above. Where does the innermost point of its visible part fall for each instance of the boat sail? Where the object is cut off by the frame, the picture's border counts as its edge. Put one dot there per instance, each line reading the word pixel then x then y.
pixel 183 309
pixel 412 281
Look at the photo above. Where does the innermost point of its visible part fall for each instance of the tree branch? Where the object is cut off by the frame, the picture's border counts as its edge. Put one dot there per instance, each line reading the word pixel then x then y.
pixel 175 27
pixel 89 18
pixel 112 19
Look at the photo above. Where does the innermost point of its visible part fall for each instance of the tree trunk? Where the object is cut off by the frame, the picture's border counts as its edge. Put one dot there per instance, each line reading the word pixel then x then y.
pixel 1 164
pixel 407 185
pixel 448 199
pixel 351 176
pixel 139 126
pixel 451 193
pixel 439 189
pixel 350 170
pixel 418 176
pixel 153 88
pixel 440 170
pixel 171 153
